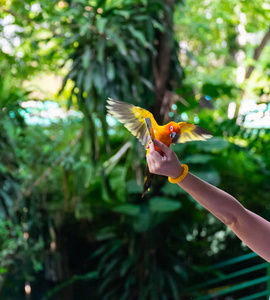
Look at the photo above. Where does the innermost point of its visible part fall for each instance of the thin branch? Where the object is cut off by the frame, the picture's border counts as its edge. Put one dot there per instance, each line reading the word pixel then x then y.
pixel 110 163
pixel 257 52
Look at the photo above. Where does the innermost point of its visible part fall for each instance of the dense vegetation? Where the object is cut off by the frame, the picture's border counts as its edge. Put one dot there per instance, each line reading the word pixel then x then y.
pixel 73 224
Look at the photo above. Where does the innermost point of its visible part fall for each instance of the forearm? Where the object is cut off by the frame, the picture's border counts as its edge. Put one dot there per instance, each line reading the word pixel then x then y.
pixel 219 203
pixel 252 229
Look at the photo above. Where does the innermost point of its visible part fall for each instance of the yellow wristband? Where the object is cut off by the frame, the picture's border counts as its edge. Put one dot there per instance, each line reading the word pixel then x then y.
pixel 181 177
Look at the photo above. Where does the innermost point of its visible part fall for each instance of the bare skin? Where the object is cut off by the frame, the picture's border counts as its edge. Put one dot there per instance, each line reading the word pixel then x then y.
pixel 252 229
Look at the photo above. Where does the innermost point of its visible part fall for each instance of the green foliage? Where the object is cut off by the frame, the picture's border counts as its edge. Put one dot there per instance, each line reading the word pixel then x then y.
pixel 70 191
pixel 16 248
pixel 209 40
pixel 140 265
pixel 162 204
pixel 11 241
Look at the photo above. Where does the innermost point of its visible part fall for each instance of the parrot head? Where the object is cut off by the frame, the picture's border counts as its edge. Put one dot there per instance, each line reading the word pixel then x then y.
pixel 173 130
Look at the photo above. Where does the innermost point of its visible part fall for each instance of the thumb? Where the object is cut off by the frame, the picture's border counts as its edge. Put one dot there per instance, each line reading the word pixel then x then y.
pixel 161 146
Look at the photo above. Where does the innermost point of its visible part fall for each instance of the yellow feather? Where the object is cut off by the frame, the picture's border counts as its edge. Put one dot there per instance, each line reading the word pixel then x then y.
pixel 132 117
pixel 191 132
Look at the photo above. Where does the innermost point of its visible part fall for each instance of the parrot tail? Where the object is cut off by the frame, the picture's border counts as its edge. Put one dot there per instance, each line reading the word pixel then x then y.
pixel 147 180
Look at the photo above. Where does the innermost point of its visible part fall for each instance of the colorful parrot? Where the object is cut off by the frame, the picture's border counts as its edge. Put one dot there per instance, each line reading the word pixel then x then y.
pixel 133 119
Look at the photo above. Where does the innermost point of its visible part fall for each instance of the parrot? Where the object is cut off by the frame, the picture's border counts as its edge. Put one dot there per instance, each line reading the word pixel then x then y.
pixel 171 133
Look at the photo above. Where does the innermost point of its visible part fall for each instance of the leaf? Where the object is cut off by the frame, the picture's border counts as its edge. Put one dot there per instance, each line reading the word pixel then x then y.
pixel 100 250
pixel 86 277
pixel 111 265
pixel 158 26
pixel 3 271
pixel 6 197
pixel 101 50
pixel 88 81
pixel 128 209
pixel 117 182
pixel 80 77
pixel 162 204
pixel 126 266
pixel 89 103
pixel 37 265
pixel 138 35
pixel 211 176
pixel 198 159
pixel 110 71
pixel 105 236
pixel 216 90
pixel 121 47
pixel 84 29
pixel 215 144
pixel 141 18
pixel 143 221
pixel 3 168
pixel 101 24
pixel 181 271
pixel 133 187
pixel 86 58
pixel 83 211
pixel 123 13
pixel 118 42
pixel 98 80
pixel 173 286
pixel 147 83
pixel 71 40
pixel 100 3
pixel 114 247
pixel 172 189
pixel 105 283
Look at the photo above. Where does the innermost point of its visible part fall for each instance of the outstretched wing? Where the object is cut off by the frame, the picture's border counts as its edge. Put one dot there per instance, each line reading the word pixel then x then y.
pixel 190 132
pixel 132 117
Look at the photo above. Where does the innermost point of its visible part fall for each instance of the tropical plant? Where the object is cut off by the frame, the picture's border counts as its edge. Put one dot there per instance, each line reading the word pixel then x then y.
pixel 73 222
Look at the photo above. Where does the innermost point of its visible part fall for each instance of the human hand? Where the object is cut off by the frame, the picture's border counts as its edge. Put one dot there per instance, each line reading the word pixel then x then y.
pixel 167 164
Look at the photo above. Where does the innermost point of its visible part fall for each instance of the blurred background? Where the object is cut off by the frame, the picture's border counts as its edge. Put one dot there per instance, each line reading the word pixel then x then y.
pixel 73 224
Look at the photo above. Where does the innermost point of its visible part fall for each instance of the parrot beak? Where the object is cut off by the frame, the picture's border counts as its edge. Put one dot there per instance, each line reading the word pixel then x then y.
pixel 174 137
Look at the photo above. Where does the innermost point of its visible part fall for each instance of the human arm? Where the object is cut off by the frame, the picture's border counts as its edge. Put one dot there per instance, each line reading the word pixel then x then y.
pixel 252 229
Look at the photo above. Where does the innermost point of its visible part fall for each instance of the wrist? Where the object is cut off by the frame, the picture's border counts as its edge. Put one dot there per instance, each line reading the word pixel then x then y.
pixel 178 172
pixel 181 176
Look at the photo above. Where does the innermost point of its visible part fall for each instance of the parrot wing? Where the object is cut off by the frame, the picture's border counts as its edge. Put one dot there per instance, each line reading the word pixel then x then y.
pixel 191 132
pixel 132 117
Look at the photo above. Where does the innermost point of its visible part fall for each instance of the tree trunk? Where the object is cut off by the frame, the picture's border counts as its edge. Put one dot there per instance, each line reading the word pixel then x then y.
pixel 161 62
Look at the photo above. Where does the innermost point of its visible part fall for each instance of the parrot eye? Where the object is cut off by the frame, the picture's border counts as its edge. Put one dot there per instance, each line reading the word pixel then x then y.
pixel 171 128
